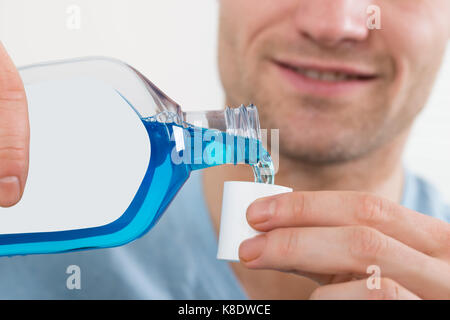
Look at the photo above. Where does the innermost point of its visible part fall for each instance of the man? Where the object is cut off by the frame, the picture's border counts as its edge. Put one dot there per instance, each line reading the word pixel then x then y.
pixel 344 98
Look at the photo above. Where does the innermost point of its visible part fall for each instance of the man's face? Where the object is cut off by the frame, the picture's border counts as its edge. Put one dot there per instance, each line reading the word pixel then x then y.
pixel 334 88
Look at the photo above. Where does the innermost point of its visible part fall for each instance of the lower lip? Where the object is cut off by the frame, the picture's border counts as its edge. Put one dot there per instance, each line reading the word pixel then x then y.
pixel 307 85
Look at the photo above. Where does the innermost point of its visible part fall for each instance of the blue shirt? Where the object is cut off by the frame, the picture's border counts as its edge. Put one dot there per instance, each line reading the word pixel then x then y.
pixel 175 260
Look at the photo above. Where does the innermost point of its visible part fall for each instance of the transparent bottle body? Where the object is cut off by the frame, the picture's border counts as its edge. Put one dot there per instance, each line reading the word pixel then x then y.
pixel 163 178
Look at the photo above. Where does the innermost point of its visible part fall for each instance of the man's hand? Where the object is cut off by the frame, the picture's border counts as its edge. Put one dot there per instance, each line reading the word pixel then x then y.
pixel 333 237
pixel 14 132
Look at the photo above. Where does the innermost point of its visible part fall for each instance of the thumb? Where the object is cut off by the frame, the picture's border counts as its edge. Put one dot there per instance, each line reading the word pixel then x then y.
pixel 14 132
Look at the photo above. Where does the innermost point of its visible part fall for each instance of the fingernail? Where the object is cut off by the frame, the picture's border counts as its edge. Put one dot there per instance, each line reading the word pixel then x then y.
pixel 261 211
pixel 251 249
pixel 9 191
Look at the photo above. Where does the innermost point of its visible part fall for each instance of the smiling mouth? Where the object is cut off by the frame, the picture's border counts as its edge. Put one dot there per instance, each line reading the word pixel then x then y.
pixel 327 75
pixel 326 80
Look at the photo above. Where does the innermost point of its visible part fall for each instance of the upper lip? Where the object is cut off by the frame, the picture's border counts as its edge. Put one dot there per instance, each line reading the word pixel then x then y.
pixel 351 70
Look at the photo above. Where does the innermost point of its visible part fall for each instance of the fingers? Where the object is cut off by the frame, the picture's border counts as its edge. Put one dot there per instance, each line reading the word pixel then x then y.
pixel 14 132
pixel 327 208
pixel 346 250
pixel 359 290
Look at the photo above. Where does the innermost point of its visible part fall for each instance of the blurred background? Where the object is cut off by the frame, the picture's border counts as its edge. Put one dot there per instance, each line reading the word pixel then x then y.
pixel 173 43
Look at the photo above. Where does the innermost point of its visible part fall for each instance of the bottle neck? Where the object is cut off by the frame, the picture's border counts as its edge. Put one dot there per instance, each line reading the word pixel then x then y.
pixel 242 121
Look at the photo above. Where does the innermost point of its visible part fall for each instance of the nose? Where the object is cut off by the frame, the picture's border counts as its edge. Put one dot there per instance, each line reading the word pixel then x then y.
pixel 330 23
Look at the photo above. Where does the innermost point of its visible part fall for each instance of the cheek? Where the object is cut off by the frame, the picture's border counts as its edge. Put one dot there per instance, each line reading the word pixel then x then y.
pixel 414 32
pixel 242 25
pixel 415 39
pixel 231 21
pixel 244 20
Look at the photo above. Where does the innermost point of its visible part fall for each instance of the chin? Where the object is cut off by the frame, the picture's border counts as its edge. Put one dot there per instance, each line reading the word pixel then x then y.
pixel 323 148
pixel 319 156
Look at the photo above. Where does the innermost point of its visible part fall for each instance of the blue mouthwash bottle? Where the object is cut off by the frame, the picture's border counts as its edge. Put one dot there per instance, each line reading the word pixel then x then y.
pixel 56 217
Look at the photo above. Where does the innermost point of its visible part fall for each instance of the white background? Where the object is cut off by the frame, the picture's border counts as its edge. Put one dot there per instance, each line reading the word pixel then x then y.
pixel 173 42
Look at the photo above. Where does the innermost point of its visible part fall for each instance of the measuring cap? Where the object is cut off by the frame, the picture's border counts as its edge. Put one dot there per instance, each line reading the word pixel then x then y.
pixel 234 228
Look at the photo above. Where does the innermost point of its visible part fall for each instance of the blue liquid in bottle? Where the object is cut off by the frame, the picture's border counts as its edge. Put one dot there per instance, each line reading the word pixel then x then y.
pixel 176 150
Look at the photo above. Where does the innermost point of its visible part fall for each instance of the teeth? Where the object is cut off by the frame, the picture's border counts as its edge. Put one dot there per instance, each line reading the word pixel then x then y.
pixel 325 76
pixel 342 76
pixel 328 76
pixel 313 74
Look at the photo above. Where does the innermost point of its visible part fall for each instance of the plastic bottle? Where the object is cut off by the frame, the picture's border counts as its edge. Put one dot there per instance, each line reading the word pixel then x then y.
pixel 179 143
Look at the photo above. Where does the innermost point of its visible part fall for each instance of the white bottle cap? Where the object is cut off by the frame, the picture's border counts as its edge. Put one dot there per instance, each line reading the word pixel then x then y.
pixel 234 228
